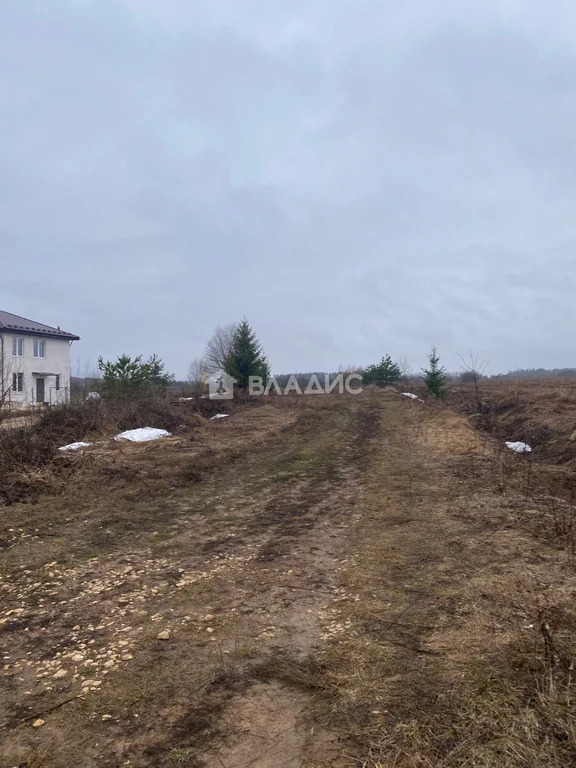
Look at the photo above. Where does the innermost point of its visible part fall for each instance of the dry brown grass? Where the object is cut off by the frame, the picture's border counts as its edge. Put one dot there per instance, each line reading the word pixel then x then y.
pixel 461 627
pixel 537 411
pixel 30 461
pixel 384 585
pixel 540 413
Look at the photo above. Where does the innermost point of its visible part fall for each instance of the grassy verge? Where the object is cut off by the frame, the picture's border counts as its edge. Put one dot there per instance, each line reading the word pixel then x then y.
pixel 453 639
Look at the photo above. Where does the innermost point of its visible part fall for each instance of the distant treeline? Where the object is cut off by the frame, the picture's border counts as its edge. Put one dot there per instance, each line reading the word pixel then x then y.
pixel 538 373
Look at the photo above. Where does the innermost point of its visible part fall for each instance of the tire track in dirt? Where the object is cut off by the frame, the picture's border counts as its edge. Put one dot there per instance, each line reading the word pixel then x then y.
pixel 255 546
pixel 443 664
pixel 272 722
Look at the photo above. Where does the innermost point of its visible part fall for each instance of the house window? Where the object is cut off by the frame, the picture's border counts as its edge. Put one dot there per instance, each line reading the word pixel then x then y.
pixel 17 347
pixel 57 381
pixel 39 348
pixel 18 382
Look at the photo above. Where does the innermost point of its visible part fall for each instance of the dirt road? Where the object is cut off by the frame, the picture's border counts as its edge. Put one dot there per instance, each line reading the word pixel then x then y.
pixel 350 588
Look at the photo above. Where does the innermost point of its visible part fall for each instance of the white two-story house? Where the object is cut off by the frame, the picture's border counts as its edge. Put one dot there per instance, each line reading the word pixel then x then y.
pixel 34 362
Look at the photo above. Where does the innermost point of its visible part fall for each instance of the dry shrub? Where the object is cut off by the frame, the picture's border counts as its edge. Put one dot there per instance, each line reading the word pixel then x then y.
pixel 537 412
pixel 26 450
pixel 510 703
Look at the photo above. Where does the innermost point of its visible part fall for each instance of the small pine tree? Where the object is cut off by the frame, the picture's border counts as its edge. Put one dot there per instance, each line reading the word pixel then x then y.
pixel 156 375
pixel 383 374
pixel 130 377
pixel 435 376
pixel 247 357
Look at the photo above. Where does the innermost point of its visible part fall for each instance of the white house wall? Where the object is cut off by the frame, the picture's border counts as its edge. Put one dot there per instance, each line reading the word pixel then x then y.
pixel 57 361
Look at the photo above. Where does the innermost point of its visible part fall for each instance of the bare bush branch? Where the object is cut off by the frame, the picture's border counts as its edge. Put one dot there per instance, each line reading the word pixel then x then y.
pixel 473 372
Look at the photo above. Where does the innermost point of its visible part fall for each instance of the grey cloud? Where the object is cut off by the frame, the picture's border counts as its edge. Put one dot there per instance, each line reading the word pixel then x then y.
pixel 357 178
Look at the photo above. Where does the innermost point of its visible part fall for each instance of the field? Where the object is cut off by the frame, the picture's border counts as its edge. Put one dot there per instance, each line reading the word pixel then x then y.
pixel 344 580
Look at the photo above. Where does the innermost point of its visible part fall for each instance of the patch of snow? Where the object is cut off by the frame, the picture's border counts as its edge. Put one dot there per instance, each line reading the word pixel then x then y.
pixel 519 447
pixel 142 435
pixel 220 416
pixel 74 446
pixel 414 397
pixel 185 399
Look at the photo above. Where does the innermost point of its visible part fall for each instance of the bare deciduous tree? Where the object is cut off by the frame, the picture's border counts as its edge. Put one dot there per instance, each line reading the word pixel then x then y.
pixel 83 380
pixel 197 372
pixel 404 367
pixel 219 348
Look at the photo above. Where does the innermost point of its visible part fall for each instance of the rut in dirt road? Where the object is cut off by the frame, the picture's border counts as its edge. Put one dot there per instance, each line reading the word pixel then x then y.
pixel 239 577
pixel 302 532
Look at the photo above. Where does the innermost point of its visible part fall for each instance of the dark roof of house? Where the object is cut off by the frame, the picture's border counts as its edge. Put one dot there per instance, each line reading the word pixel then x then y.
pixel 10 322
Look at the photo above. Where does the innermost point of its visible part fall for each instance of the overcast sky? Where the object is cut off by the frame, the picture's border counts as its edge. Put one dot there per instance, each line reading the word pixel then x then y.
pixel 356 177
